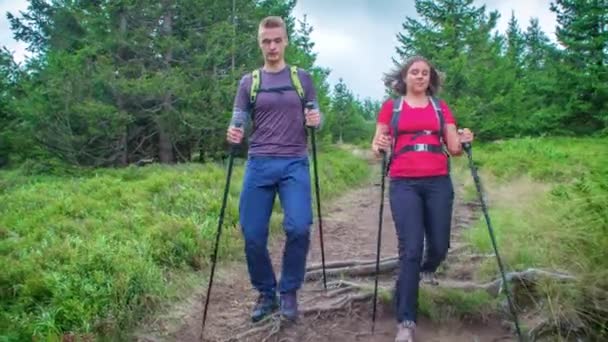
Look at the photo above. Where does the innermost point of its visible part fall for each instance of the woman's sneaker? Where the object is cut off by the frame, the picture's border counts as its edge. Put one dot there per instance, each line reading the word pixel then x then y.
pixel 429 278
pixel 405 331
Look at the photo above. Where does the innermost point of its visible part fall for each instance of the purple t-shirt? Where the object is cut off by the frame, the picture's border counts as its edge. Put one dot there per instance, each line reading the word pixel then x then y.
pixel 278 118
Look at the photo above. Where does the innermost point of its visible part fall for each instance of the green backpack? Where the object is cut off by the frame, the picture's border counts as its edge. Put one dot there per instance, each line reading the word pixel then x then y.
pixel 256 80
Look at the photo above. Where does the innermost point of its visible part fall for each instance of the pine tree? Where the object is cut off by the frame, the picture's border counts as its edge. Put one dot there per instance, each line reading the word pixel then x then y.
pixel 515 43
pixel 583 31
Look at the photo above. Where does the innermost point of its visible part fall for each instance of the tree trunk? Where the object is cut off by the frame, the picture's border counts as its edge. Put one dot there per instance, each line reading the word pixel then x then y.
pixel 123 156
pixel 165 152
pixel 165 147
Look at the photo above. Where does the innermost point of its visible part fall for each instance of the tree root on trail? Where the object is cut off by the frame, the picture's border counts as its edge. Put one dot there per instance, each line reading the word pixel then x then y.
pixel 270 326
pixel 363 268
pixel 341 295
pixel 273 325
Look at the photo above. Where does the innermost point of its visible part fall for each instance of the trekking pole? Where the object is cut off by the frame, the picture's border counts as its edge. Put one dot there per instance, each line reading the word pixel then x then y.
pixel 219 230
pixel 467 148
pixel 310 105
pixel 379 239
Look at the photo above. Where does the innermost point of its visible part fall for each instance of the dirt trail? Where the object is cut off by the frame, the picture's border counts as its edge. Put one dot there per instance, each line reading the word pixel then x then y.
pixel 343 313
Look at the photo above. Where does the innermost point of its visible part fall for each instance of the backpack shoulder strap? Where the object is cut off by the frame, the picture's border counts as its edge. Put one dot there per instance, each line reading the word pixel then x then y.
pixel 295 80
pixel 440 118
pixel 255 86
pixel 397 106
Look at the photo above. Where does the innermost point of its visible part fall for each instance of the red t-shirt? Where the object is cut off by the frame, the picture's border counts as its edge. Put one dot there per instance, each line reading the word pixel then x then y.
pixel 417 164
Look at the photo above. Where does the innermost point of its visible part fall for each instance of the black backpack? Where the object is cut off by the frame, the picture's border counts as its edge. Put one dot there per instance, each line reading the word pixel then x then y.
pixel 397 106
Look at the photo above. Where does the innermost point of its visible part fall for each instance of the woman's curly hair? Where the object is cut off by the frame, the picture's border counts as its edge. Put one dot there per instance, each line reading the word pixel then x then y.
pixel 394 78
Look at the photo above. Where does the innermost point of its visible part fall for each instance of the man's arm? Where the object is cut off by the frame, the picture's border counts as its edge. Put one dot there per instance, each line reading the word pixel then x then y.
pixel 310 95
pixel 240 112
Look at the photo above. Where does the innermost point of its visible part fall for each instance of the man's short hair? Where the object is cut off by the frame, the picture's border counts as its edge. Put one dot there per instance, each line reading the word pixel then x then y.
pixel 272 22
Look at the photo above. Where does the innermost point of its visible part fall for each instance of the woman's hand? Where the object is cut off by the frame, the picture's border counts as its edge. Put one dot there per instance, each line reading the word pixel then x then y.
pixel 465 135
pixel 382 142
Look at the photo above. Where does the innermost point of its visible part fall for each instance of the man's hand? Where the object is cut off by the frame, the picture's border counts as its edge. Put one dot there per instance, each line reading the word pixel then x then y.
pixel 313 117
pixel 234 135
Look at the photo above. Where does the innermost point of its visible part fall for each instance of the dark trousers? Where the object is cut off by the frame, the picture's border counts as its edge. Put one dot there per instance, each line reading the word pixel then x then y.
pixel 265 177
pixel 420 207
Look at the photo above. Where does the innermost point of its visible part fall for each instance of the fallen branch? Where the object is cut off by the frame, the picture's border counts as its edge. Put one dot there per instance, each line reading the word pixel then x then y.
pixel 472 256
pixel 549 326
pixel 529 276
pixel 386 266
pixel 347 263
pixel 495 287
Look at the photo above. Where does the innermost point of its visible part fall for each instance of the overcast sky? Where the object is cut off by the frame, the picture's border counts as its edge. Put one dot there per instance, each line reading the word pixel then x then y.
pixel 354 38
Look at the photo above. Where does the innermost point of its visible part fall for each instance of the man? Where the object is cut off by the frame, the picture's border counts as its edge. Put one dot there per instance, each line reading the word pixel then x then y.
pixel 277 162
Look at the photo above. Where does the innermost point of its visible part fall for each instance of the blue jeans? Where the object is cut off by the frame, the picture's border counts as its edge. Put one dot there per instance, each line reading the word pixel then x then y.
pixel 420 207
pixel 264 177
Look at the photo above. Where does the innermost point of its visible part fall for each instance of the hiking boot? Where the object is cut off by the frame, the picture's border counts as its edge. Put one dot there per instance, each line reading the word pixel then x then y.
pixel 405 331
pixel 264 306
pixel 289 306
pixel 429 278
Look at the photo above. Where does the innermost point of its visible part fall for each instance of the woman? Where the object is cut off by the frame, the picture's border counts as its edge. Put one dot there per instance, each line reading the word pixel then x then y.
pixel 420 190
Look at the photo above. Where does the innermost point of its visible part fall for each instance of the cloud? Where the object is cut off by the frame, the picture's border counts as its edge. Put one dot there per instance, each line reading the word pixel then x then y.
pixel 6 35
pixel 356 39
pixel 524 10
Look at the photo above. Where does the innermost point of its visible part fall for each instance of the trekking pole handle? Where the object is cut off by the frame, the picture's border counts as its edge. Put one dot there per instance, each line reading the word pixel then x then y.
pixel 238 124
pixel 233 146
pixel 309 105
pixel 467 145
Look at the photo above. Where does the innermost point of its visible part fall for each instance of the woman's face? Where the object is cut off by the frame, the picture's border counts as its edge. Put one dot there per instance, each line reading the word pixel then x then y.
pixel 418 77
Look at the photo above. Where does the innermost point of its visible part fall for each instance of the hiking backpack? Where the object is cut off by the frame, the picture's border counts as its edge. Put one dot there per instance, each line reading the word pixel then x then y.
pixel 397 107
pixel 256 81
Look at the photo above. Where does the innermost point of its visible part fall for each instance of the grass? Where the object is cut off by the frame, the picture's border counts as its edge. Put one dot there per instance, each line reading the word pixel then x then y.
pixel 94 251
pixel 548 200
pixel 442 305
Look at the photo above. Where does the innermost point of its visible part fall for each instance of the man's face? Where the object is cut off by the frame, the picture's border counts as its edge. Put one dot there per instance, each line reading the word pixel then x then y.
pixel 273 42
